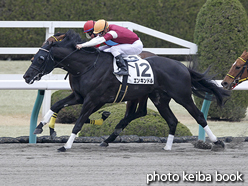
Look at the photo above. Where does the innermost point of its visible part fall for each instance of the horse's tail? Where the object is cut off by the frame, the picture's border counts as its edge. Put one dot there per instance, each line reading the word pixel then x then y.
pixel 201 84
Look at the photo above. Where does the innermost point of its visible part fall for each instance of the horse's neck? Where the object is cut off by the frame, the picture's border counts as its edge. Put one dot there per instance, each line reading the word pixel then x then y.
pixel 76 63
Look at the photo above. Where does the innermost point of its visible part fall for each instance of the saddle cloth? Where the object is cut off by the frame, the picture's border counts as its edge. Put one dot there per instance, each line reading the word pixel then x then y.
pixel 140 71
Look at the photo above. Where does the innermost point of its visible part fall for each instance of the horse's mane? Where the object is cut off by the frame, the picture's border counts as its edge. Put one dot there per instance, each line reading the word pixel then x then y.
pixel 71 39
pixel 59 34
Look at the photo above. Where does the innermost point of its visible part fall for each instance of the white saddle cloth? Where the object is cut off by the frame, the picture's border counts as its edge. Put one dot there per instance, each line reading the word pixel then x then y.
pixel 140 71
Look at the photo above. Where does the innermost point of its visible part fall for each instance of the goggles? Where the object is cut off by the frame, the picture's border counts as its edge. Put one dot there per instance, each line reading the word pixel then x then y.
pixel 88 34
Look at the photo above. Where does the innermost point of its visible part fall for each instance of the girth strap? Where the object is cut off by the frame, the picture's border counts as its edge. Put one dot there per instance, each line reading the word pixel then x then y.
pixel 122 90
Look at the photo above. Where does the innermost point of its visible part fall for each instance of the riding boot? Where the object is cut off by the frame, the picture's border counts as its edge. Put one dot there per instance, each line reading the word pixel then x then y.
pixel 120 62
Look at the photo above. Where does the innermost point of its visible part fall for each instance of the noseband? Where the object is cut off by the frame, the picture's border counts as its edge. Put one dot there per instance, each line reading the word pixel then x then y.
pixel 237 79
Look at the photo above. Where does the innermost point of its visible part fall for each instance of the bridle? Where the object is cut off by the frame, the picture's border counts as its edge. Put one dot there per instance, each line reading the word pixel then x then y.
pixel 58 63
pixel 237 79
pixel 43 72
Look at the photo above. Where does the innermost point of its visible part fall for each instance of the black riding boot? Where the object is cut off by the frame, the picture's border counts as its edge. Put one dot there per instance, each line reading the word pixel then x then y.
pixel 122 65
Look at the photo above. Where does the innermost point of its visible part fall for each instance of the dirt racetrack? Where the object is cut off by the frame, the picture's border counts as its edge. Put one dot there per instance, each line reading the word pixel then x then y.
pixel 121 164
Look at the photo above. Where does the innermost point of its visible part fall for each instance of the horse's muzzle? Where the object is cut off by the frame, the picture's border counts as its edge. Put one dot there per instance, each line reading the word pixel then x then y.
pixel 32 74
pixel 227 86
pixel 30 80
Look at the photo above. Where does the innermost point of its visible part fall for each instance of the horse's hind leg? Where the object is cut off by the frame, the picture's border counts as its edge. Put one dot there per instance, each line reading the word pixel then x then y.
pixel 161 101
pixel 189 105
pixel 130 115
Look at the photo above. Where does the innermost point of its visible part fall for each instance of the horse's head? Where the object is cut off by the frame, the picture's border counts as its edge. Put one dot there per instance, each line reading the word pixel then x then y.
pixel 40 65
pixel 238 72
pixel 43 62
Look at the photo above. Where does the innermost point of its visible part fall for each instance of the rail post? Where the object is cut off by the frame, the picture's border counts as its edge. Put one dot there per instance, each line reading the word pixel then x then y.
pixel 34 115
pixel 204 110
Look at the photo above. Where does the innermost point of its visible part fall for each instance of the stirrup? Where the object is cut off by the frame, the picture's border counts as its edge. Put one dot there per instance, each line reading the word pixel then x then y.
pixel 122 73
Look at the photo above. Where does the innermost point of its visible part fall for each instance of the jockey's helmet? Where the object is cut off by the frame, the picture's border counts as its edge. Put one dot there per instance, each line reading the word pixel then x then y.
pixel 100 26
pixel 89 25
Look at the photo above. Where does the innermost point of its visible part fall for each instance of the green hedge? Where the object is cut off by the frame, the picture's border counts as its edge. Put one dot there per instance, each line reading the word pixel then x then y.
pixel 221 35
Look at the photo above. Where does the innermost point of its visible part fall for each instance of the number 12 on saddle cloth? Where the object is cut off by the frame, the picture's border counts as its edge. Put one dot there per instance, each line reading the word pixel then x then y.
pixel 140 71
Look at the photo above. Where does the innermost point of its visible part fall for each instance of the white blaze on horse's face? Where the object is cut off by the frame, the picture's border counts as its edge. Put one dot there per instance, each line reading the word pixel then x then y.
pixel 234 63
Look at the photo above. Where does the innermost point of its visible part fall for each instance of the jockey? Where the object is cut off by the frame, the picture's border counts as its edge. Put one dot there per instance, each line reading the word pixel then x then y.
pixel 89 28
pixel 119 41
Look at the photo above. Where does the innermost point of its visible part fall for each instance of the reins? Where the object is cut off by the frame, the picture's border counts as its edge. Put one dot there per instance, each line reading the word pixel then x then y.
pixel 93 66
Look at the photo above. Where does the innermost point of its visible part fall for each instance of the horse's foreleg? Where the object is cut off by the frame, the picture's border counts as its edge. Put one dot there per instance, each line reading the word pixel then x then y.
pixel 51 115
pixel 87 109
pixel 77 127
pixel 46 118
pixel 130 115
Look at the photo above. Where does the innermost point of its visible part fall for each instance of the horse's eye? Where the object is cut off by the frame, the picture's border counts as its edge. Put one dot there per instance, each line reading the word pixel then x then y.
pixel 237 67
pixel 42 58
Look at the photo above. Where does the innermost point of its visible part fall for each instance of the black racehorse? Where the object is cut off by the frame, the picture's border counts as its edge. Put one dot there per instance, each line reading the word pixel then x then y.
pixel 94 85
pixel 70 100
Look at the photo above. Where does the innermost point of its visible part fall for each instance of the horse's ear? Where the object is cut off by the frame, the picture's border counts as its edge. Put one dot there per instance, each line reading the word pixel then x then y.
pixel 61 37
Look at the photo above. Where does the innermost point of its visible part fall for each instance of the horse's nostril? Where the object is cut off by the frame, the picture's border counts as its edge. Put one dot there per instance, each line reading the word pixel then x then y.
pixel 224 84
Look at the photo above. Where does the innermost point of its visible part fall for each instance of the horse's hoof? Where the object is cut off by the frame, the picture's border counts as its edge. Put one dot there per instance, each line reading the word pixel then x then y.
pixel 38 131
pixel 104 144
pixel 53 135
pixel 218 146
pixel 105 115
pixel 166 148
pixel 62 149
pixel 202 145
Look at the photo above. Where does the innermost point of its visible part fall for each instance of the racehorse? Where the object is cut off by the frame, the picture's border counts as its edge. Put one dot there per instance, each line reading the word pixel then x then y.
pixel 94 84
pixel 52 114
pixel 238 73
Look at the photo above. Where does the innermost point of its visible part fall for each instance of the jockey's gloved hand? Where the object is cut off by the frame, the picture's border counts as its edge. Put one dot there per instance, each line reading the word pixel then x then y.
pixel 79 46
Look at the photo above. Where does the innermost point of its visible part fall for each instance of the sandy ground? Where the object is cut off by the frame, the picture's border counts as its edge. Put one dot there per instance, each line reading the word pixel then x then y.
pixel 120 164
